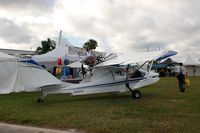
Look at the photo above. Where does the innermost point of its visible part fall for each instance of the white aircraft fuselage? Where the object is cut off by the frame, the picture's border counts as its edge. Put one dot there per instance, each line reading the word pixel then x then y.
pixel 105 80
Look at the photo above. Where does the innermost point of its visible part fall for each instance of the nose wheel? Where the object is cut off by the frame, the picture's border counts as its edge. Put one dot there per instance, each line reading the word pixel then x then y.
pixel 41 98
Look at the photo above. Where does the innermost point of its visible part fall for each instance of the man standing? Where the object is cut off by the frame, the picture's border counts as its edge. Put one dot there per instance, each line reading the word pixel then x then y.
pixel 181 73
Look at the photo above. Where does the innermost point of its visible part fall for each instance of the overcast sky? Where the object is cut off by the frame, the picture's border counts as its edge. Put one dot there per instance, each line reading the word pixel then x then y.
pixel 118 25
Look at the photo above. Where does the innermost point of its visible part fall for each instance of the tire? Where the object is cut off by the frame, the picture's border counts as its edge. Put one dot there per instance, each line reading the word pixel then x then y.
pixel 39 100
pixel 136 94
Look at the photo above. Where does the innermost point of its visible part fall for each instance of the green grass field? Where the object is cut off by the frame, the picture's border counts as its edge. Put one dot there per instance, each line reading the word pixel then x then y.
pixel 162 108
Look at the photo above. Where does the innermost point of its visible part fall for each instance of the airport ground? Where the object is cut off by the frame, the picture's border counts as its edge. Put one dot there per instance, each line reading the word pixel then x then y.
pixel 162 108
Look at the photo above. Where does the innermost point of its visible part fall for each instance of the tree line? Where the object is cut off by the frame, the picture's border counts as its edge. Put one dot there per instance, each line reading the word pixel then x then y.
pixel 49 45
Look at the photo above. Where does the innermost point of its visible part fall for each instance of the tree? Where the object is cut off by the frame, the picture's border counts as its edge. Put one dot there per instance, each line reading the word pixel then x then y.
pixel 90 44
pixel 47 45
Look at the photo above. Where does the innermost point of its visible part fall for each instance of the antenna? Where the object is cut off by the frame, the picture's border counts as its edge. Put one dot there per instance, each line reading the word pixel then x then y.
pixel 60 35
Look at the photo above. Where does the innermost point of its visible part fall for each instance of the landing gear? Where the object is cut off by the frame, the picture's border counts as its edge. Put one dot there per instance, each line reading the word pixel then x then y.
pixel 136 94
pixel 41 99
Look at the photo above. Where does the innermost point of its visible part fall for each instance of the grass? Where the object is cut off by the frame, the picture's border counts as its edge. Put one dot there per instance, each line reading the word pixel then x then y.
pixel 162 108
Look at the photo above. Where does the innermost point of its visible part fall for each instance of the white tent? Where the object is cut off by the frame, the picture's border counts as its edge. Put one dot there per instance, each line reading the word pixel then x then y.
pixel 61 51
pixel 16 76
pixel 6 57
pixel 191 62
pixel 192 65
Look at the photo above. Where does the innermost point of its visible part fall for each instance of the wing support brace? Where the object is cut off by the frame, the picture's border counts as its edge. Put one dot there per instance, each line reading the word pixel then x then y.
pixel 127 77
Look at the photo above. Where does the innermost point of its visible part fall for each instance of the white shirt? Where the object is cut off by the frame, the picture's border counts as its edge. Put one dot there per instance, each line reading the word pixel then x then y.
pixel 178 69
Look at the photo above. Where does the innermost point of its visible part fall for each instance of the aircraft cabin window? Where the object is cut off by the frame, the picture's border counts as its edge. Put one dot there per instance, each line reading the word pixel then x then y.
pixel 134 73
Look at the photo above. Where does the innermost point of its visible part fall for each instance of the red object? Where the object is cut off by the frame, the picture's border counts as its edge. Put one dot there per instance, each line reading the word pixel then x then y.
pixel 59 61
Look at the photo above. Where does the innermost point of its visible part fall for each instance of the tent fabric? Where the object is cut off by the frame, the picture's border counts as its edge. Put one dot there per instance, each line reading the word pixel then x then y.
pixel 191 62
pixel 17 76
pixel 8 77
pixel 187 59
pixel 61 51
pixel 193 70
pixel 5 57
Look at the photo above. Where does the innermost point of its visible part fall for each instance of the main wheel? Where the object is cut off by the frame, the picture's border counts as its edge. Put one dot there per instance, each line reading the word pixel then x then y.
pixel 39 100
pixel 136 94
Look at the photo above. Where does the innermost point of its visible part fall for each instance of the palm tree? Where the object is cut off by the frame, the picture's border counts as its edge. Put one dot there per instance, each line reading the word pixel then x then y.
pixel 47 45
pixel 90 44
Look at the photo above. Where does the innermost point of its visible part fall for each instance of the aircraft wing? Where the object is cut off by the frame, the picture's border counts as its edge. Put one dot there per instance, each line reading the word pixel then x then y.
pixel 76 64
pixel 133 58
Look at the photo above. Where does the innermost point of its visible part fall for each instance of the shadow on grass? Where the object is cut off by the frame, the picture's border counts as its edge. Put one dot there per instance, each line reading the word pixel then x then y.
pixel 97 97
pixel 123 97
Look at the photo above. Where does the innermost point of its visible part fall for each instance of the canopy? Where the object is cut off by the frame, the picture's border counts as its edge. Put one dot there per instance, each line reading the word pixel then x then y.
pixel 187 59
pixel 191 61
pixel 169 61
pixel 61 51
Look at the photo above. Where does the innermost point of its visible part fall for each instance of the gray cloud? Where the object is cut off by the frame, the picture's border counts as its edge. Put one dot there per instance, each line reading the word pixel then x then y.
pixel 42 5
pixel 10 32
pixel 139 26
pixel 119 25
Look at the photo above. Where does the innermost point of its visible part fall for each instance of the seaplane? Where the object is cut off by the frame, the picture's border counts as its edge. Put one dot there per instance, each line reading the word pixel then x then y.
pixel 115 73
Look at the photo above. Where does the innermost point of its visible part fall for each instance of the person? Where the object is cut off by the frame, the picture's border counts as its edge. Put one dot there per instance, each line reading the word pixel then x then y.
pixel 136 74
pixel 181 73
pixel 83 71
pixel 54 71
